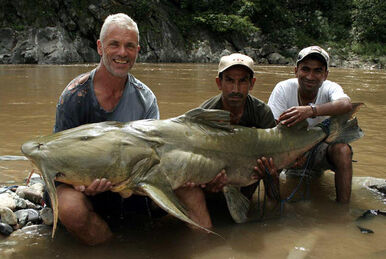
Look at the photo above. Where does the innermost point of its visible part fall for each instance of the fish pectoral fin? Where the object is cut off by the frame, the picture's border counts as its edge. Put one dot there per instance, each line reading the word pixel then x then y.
pixel 123 189
pixel 238 204
pixel 165 198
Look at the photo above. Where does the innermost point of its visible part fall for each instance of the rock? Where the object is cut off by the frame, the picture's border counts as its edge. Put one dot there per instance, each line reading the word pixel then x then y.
pixel 27 215
pixel 379 188
pixel 382 61
pixel 20 203
pixel 267 49
pixel 252 52
pixel 225 52
pixel 30 194
pixel 7 40
pixel 276 58
pixel 31 205
pixel 292 52
pixel 5 229
pixel 34 230
pixel 47 216
pixel 29 223
pixel 263 61
pixel 37 186
pixel 202 52
pixel 7 216
pixel 7 201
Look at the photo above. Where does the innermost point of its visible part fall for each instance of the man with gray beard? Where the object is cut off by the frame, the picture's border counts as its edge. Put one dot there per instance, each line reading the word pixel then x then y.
pixel 107 93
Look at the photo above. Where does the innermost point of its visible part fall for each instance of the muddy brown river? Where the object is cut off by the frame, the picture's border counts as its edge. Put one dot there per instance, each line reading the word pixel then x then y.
pixel 313 228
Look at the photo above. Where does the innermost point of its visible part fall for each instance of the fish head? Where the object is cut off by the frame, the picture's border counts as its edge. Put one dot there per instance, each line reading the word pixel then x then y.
pixel 74 156
pixel 83 154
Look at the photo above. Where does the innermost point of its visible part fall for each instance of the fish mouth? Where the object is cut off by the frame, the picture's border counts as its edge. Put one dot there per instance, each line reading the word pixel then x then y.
pixel 29 147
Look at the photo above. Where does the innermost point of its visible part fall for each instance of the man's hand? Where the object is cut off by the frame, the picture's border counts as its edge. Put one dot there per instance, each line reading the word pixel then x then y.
pixel 264 164
pixel 215 185
pixel 300 162
pixel 272 185
pixel 97 186
pixel 295 114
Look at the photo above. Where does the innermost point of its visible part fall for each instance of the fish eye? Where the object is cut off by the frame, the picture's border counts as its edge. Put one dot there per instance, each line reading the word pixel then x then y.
pixel 85 138
pixel 59 174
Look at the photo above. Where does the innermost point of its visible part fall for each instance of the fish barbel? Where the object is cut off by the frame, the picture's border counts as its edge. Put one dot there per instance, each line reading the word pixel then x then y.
pixel 155 157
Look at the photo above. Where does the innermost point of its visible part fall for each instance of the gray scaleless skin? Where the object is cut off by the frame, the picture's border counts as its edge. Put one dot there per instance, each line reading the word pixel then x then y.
pixel 155 157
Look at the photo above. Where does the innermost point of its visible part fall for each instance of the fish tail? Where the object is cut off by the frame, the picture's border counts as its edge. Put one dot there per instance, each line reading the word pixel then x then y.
pixel 343 128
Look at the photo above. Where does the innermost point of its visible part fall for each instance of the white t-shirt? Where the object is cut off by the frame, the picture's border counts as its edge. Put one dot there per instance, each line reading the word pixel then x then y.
pixel 285 96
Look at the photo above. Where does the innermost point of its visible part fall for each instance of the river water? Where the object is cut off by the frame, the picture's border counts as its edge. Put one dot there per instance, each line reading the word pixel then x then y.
pixel 314 228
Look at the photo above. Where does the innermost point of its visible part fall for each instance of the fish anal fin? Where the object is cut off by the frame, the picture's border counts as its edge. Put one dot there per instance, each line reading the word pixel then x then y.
pixel 165 198
pixel 238 204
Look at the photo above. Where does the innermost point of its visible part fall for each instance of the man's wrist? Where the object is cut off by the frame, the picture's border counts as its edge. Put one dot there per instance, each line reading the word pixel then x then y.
pixel 314 110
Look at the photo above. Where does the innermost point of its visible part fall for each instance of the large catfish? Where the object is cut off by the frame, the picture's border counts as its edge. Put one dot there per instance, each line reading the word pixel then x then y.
pixel 155 157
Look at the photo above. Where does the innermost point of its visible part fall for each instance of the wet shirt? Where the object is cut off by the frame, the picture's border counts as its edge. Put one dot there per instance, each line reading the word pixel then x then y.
pixel 285 96
pixel 256 113
pixel 78 104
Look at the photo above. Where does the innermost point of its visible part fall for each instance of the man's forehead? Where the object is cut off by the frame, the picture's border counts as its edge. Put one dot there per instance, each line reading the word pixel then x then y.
pixel 119 30
pixel 237 70
pixel 315 63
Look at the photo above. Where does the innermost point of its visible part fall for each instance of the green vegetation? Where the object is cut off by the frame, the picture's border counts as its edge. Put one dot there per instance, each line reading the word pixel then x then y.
pixel 347 26
pixel 358 26
pixel 369 28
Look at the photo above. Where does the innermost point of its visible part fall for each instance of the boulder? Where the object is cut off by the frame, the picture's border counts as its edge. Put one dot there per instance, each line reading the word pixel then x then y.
pixel 276 58
pixel 33 195
pixel 5 229
pixel 8 216
pixel 27 215
pixel 47 216
pixel 7 200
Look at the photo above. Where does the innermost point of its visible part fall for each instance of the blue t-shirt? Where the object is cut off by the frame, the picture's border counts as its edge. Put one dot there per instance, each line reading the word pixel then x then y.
pixel 78 104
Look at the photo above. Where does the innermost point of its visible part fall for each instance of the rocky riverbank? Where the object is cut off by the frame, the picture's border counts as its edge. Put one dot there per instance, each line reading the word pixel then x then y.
pixel 54 45
pixel 22 208
pixel 62 32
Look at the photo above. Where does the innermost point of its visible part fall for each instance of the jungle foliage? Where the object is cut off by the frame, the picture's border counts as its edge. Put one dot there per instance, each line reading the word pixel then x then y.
pixel 356 25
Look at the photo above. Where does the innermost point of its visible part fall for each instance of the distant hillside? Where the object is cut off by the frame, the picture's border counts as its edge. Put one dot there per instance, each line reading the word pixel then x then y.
pixel 270 31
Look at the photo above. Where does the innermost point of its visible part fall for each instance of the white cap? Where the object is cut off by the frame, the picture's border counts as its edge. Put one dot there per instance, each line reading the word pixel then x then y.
pixel 316 50
pixel 234 60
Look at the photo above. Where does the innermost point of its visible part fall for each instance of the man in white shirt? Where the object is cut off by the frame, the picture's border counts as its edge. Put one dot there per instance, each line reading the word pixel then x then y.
pixel 310 96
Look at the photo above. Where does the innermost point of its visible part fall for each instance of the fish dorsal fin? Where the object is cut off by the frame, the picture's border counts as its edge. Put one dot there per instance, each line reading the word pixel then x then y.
pixel 210 117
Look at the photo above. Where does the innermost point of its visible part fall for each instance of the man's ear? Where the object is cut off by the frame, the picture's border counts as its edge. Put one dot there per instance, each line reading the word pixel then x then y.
pixel 296 71
pixel 218 82
pixel 252 83
pixel 99 47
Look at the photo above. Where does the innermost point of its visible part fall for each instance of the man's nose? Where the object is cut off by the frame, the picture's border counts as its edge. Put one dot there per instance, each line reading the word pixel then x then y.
pixel 122 50
pixel 236 86
pixel 311 75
